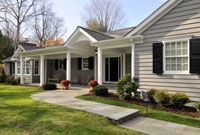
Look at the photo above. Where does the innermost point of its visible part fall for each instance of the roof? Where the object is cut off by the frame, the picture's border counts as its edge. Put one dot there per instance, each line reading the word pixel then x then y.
pixel 9 59
pixel 29 46
pixel 120 32
pixel 155 16
pixel 97 35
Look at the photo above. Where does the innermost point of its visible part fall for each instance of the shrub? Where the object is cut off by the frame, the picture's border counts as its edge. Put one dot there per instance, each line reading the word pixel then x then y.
pixel 100 90
pixel 49 86
pixel 11 80
pixel 2 76
pixel 151 94
pixel 92 83
pixel 126 88
pixel 197 106
pixel 162 97
pixel 179 99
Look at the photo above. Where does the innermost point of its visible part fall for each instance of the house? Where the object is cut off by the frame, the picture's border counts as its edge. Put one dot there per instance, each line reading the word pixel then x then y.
pixel 162 52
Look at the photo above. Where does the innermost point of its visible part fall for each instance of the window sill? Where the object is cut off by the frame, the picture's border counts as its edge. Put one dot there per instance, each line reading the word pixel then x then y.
pixel 177 73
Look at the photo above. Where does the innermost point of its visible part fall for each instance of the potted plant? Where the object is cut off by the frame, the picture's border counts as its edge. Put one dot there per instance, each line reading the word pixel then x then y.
pixel 65 84
pixel 92 84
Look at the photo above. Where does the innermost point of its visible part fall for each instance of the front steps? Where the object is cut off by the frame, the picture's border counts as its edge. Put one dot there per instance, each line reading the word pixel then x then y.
pixel 124 116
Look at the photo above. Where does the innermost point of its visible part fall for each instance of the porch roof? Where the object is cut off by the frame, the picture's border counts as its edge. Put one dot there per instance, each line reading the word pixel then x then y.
pixel 48 50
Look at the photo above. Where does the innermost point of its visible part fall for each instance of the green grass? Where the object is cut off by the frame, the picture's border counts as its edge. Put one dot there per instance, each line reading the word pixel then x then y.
pixel 152 113
pixel 19 115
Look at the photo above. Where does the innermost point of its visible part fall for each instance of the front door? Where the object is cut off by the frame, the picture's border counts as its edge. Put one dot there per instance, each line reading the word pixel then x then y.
pixel 112 69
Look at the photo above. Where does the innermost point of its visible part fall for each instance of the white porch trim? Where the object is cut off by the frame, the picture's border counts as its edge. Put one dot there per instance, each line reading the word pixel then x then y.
pixel 133 61
pixel 100 66
pixel 68 66
pixel 21 70
pixel 42 71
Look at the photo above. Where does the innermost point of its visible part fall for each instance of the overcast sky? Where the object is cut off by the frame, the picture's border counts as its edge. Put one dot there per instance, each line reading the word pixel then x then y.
pixel 135 11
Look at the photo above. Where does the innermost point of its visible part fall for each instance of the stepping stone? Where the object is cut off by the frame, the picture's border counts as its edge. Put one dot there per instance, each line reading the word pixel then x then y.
pixel 123 116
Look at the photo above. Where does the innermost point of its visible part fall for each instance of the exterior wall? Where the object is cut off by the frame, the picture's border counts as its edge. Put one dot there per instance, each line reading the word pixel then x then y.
pixel 80 76
pixel 181 21
pixel 52 73
pixel 128 64
pixel 7 68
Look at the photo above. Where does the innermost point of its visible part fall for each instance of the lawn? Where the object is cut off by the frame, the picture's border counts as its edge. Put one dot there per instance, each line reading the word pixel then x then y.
pixel 152 113
pixel 19 114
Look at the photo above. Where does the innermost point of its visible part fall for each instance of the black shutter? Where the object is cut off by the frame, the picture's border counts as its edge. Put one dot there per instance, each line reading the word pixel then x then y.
pixel 157 58
pixel 195 56
pixel 64 64
pixel 56 64
pixel 79 63
pixel 91 63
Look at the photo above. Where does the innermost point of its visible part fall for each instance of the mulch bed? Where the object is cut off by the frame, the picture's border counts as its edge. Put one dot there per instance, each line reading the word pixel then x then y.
pixel 186 110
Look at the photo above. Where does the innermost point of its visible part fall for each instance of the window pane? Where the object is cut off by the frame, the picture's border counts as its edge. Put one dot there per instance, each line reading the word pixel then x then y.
pixel 185 67
pixel 179 45
pixel 173 46
pixel 179 67
pixel 173 52
pixel 168 61
pixel 185 52
pixel 184 45
pixel 167 46
pixel 173 60
pixel 179 60
pixel 173 67
pixel 167 67
pixel 178 51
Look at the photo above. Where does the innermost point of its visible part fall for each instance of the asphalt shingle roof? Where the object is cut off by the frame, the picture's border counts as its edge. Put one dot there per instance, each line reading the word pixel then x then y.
pixel 29 46
pixel 97 35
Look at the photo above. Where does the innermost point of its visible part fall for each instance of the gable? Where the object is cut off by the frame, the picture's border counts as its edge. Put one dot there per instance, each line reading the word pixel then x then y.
pixel 77 36
pixel 160 12
pixel 183 20
pixel 19 49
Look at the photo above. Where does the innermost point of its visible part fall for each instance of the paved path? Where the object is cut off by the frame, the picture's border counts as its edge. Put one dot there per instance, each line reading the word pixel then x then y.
pixel 67 98
pixel 141 124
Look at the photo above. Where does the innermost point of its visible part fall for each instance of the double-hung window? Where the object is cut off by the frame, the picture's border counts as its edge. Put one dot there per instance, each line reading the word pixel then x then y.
pixel 176 57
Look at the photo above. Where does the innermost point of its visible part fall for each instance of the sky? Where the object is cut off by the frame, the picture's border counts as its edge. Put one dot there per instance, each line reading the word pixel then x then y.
pixel 135 11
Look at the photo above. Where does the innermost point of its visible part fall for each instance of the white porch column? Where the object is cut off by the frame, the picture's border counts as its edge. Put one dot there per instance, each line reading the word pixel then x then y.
pixel 133 61
pixel 100 67
pixel 68 66
pixel 21 70
pixel 42 71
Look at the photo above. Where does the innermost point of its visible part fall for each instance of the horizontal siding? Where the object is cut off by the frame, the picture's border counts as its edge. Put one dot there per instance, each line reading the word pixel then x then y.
pixel 184 20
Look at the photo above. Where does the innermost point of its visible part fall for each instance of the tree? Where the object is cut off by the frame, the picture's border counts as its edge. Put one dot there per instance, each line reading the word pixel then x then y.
pixel 103 15
pixel 55 41
pixel 47 25
pixel 6 47
pixel 14 16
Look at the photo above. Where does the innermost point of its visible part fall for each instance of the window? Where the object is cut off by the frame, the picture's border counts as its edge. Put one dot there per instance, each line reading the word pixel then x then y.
pixel 36 67
pixel 26 67
pixel 85 64
pixel 176 57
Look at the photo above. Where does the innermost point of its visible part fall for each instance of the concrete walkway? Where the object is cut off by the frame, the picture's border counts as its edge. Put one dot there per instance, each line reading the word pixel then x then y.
pixel 141 124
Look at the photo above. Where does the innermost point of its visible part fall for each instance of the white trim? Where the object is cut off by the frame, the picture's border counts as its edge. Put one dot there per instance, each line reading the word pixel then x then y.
pixel 120 66
pixel 123 64
pixel 160 12
pixel 17 51
pixel 84 69
pixel 37 67
pixel 164 56
pixel 133 61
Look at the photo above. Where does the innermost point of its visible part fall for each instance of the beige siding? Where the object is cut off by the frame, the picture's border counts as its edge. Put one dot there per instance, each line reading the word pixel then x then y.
pixel 181 21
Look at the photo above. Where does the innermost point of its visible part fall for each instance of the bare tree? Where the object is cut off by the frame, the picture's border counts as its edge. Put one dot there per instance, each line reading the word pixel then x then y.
pixel 103 15
pixel 47 25
pixel 14 14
